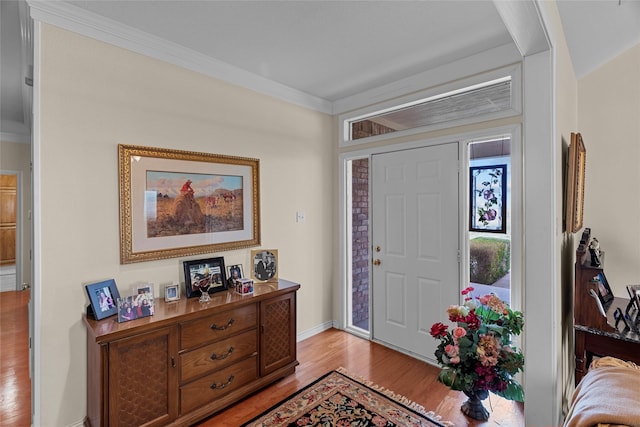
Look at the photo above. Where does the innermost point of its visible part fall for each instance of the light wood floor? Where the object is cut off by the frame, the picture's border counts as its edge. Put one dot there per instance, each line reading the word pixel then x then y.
pixel 387 368
pixel 317 355
pixel 15 384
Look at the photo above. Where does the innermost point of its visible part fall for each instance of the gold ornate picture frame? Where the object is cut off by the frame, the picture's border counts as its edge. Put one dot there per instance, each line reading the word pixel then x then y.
pixel 181 203
pixel 575 183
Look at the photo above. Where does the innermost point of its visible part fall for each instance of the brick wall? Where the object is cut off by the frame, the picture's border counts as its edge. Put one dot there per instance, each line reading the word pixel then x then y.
pixel 365 128
pixel 360 240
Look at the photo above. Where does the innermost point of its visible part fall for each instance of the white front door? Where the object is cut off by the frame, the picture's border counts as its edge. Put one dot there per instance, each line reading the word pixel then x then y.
pixel 415 223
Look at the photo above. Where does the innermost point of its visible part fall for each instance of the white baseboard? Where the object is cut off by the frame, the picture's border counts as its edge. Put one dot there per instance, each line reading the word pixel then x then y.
pixel 7 282
pixel 315 330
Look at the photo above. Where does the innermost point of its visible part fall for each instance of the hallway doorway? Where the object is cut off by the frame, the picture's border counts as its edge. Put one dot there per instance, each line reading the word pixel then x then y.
pixel 8 231
pixel 15 381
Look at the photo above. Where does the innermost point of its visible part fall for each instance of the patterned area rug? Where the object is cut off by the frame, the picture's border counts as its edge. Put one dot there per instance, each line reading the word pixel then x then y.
pixel 337 399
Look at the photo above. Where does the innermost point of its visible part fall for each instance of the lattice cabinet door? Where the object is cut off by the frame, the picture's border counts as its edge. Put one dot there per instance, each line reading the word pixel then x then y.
pixel 143 379
pixel 278 337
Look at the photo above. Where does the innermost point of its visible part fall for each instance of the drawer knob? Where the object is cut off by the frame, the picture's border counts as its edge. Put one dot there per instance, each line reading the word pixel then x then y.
pixel 222 328
pixel 215 386
pixel 222 356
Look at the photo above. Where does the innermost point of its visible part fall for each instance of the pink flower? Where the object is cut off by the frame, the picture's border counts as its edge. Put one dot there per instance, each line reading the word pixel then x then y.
pixel 452 350
pixel 467 290
pixel 449 349
pixel 459 332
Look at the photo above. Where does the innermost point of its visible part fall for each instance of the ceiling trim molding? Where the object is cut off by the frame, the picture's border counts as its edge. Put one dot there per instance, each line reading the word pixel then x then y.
pixel 75 19
pixel 524 23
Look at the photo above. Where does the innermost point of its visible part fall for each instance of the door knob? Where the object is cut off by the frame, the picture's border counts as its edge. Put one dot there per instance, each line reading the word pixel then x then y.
pixel 378 249
pixel 377 262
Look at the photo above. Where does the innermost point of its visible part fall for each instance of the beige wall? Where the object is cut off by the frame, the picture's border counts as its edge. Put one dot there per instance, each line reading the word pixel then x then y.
pixel 95 96
pixel 16 157
pixel 609 121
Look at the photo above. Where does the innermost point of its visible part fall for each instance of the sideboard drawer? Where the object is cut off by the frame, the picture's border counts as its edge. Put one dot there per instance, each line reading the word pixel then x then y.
pixel 218 384
pixel 219 354
pixel 217 326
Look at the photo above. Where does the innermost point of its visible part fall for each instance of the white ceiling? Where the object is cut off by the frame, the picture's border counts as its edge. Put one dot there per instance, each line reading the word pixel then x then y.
pixel 326 49
pixel 598 30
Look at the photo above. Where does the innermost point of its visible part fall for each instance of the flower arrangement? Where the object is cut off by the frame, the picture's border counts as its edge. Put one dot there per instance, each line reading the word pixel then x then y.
pixel 477 354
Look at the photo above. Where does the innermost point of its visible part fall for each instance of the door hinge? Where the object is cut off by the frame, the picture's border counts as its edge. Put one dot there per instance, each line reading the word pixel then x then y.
pixel 459 257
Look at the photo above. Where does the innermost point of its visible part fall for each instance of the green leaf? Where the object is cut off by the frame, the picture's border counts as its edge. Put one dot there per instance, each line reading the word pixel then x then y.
pixel 512 392
pixel 500 330
pixel 465 342
pixel 446 377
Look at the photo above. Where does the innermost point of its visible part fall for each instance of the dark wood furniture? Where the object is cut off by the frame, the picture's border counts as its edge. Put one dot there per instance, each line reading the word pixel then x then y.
pixel 595 334
pixel 190 359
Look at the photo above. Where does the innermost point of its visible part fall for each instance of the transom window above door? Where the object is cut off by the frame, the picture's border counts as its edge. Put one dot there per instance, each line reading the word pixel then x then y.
pixel 490 96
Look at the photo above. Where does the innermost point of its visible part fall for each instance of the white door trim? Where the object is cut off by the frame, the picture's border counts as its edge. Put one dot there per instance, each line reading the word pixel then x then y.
pixel 340 314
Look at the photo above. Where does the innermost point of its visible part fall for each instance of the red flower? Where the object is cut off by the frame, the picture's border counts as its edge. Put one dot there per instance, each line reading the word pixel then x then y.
pixel 472 320
pixel 467 290
pixel 438 330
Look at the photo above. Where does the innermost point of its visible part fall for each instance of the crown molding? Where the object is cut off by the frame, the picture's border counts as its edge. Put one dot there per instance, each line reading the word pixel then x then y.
pixel 78 20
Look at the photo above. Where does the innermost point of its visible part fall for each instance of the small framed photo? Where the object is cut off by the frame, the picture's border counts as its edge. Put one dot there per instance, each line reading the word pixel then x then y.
pixel 103 297
pixel 264 264
pixel 244 286
pixel 143 288
pixel 204 275
pixel 234 272
pixel 603 288
pixel 172 292
pixel 634 295
pixel 135 306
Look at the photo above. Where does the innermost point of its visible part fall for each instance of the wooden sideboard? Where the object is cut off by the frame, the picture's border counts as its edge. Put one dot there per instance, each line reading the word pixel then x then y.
pixel 190 359
pixel 595 332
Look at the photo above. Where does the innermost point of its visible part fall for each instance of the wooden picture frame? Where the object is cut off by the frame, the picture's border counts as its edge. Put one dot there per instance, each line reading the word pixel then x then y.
pixel 264 265
pixel 203 274
pixel 488 198
pixel 181 203
pixel 575 183
pixel 103 297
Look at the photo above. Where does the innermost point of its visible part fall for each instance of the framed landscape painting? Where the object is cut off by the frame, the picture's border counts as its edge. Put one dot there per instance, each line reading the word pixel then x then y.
pixel 180 203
